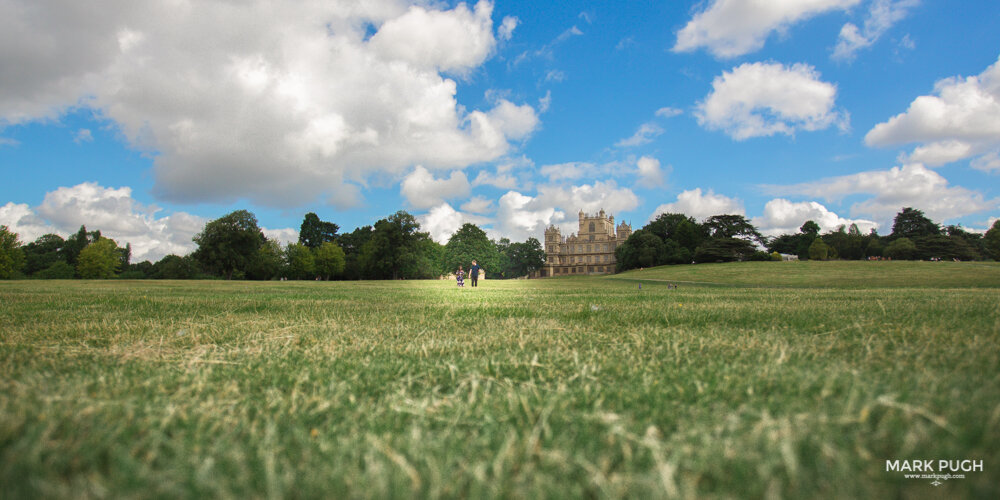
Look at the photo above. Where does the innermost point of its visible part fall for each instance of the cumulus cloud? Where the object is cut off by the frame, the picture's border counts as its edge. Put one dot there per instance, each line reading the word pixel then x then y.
pixel 782 216
pixel 83 135
pixel 569 170
pixel 506 29
pixel 731 28
pixel 442 221
pixel 911 185
pixel 694 203
pixel 650 172
pixel 643 135
pixel 422 190
pixel 478 205
pixel 882 14
pixel 763 99
pixel 257 101
pixel 520 216
pixel 114 212
pixel 960 120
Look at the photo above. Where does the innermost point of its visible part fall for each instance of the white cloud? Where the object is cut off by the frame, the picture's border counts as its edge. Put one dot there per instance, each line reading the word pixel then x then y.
pixel 506 29
pixel 422 190
pixel 442 221
pixel 7 141
pixel 961 120
pixel 545 101
pixel 520 216
pixel 731 28
pixel 284 236
pixel 478 205
pixel 555 76
pixel 112 211
pixel 253 100
pixel 763 99
pixel 83 135
pixel 882 14
pixel 21 219
pixel 643 135
pixel 650 172
pixel 911 185
pixel 569 170
pixel 694 203
pixel 668 112
pixel 786 217
pixel 990 162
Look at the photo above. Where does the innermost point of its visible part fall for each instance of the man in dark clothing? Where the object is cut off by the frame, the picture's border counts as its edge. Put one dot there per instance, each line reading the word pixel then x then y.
pixel 474 273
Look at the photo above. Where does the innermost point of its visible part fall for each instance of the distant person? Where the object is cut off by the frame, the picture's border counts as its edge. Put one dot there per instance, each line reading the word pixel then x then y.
pixel 474 273
pixel 460 277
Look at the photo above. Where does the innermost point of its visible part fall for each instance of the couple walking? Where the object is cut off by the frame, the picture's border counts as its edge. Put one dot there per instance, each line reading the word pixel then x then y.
pixel 473 274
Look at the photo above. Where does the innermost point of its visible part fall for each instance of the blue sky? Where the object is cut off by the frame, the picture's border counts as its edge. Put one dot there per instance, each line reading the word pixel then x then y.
pixel 146 120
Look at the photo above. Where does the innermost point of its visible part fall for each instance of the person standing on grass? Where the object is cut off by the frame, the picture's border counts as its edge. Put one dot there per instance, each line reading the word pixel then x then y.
pixel 460 277
pixel 474 272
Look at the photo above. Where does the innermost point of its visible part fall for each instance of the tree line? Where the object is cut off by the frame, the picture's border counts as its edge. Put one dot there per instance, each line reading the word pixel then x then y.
pixel 234 247
pixel 678 239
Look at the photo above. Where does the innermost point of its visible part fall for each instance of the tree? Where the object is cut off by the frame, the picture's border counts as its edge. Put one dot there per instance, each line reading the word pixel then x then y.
pixel 329 260
pixel 818 250
pixel 524 258
pixel 809 228
pixel 99 260
pixel 300 260
pixel 469 243
pixel 174 267
pixel 724 250
pixel 394 249
pixel 11 256
pixel 314 232
pixel 733 226
pixel 42 253
pixel 910 223
pixel 991 241
pixel 352 243
pixel 268 262
pixel 901 249
pixel 229 243
pixel 59 270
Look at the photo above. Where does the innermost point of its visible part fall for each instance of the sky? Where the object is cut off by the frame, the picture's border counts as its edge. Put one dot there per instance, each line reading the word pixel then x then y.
pixel 147 119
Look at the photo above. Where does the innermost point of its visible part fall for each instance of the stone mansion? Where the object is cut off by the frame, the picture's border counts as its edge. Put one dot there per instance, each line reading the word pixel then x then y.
pixel 589 251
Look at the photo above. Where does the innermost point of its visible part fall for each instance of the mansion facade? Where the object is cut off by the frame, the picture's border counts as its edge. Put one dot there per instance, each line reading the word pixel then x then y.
pixel 589 251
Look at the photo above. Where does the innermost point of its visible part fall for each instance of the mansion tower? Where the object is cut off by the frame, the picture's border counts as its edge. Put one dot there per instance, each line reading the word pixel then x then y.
pixel 589 251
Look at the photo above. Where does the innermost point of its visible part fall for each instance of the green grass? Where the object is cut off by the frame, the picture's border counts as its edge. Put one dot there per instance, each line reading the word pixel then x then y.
pixel 793 380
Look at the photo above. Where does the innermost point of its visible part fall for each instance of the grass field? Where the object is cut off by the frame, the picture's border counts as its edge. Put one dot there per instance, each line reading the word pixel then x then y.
pixel 777 380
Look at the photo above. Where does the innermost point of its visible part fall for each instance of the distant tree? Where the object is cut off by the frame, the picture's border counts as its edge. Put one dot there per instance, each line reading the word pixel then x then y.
pixel 268 262
pixel 174 267
pixel 352 243
pixel 137 271
pixel 59 270
pixel 469 243
pixel 314 232
pixel 42 253
pixel 300 261
pixel 819 250
pixel 732 226
pixel 77 242
pixel 395 248
pixel 910 223
pixel 99 260
pixel 901 249
pixel 810 228
pixel 524 258
pixel 724 250
pixel 11 256
pixel 991 241
pixel 329 260
pixel 944 247
pixel 229 243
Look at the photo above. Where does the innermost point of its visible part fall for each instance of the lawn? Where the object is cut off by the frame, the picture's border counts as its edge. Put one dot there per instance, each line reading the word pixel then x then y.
pixel 792 380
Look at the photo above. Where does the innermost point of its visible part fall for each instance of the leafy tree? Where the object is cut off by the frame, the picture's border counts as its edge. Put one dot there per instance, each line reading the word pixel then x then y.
pixel 42 253
pixel 174 267
pixel 352 243
pixel 99 260
pixel 314 232
pixel 229 243
pixel 991 241
pixel 944 247
pixel 524 258
pixel 724 250
pixel 268 262
pixel 910 223
pixel 689 234
pixel 300 260
pixel 732 226
pixel 11 256
pixel 59 270
pixel 394 250
pixel 819 250
pixel 809 228
pixel 77 242
pixel 138 271
pixel 901 249
pixel 329 260
pixel 469 243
